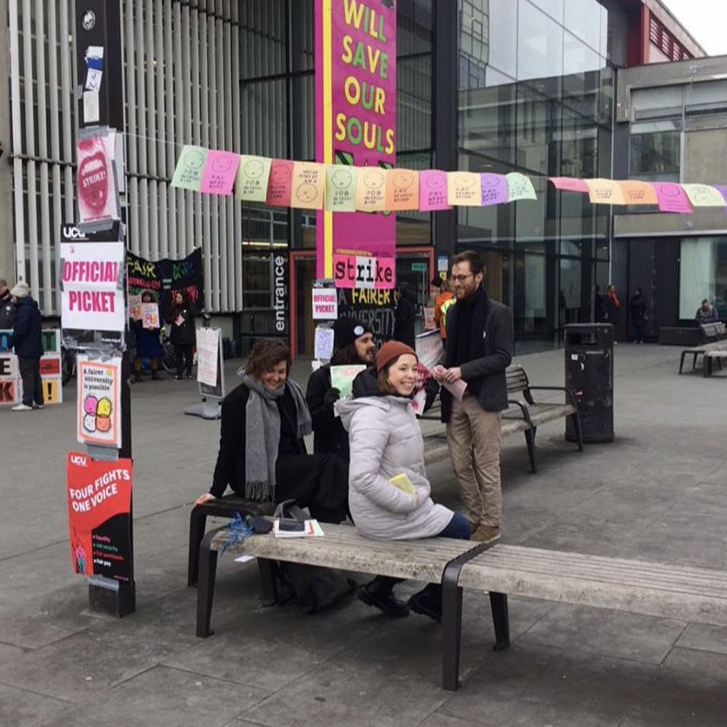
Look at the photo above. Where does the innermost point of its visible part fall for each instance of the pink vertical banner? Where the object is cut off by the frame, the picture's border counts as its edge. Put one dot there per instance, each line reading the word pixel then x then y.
pixel 672 198
pixel 355 116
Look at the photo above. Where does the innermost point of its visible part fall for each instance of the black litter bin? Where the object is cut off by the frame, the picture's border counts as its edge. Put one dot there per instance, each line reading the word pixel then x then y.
pixel 589 375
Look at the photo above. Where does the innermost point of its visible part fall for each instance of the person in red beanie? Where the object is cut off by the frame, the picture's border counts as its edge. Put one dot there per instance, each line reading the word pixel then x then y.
pixel 386 445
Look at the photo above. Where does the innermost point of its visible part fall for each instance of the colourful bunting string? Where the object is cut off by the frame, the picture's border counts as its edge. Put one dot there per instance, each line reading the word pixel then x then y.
pixel 344 188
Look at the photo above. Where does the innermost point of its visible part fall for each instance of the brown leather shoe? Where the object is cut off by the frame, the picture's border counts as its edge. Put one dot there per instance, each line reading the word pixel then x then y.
pixel 486 534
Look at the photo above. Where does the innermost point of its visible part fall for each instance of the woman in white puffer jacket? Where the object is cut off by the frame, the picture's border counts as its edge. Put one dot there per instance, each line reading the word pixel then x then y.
pixel 386 441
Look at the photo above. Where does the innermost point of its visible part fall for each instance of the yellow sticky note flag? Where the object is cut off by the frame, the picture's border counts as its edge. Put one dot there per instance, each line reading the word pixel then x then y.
pixel 371 189
pixel 308 185
pixel 604 191
pixel 703 195
pixel 464 188
pixel 519 187
pixel 251 182
pixel 402 189
pixel 403 482
pixel 341 188
pixel 638 192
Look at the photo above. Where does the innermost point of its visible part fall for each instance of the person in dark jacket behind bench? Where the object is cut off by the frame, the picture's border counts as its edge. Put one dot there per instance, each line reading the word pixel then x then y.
pixel 479 350
pixel 28 344
pixel 181 315
pixel 262 454
pixel 7 309
pixel 353 343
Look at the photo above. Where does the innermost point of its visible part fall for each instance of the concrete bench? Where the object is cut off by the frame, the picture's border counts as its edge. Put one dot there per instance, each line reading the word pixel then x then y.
pixel 710 356
pixel 668 591
pixel 524 415
pixel 713 335
pixel 434 560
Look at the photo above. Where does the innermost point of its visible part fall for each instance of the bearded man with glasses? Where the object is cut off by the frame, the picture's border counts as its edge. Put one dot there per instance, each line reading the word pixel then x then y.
pixel 478 351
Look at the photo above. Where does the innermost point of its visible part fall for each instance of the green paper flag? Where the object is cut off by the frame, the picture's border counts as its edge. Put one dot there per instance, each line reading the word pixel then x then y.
pixel 519 187
pixel 251 183
pixel 340 188
pixel 188 174
pixel 703 195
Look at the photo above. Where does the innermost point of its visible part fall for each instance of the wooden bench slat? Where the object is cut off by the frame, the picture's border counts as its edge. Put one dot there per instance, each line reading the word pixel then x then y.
pixel 342 547
pixel 601 567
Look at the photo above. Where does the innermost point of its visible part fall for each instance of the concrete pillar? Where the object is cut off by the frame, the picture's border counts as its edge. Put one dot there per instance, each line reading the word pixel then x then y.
pixel 7 247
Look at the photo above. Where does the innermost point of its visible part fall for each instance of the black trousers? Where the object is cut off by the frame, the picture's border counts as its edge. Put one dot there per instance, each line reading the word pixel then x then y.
pixel 183 352
pixel 32 384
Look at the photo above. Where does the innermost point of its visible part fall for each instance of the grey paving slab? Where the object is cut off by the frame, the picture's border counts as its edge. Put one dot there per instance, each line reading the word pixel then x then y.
pixel 24 708
pixel 9 652
pixel 536 685
pixel 442 720
pixel 610 633
pixel 690 684
pixel 164 697
pixel 705 637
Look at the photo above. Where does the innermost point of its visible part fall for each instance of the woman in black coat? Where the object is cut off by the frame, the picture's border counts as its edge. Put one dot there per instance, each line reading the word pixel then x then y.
pixel 181 315
pixel 262 454
pixel 639 315
pixel 405 315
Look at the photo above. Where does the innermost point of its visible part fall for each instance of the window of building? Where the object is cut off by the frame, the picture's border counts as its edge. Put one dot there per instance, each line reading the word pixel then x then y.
pixel 702 274
pixel 655 151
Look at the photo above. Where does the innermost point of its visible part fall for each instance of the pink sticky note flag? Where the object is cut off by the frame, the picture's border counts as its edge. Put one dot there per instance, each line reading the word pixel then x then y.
pixel 433 190
pixel 220 170
pixel 569 184
pixel 280 184
pixel 672 198
pixel 494 189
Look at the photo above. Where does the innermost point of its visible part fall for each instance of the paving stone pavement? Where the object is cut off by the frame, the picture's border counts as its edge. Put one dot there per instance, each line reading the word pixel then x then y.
pixel 658 492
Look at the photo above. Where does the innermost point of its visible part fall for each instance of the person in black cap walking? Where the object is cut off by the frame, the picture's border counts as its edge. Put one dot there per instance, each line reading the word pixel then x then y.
pixel 353 343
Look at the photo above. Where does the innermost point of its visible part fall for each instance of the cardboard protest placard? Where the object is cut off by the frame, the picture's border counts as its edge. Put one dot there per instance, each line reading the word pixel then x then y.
pixel 9 377
pixel 98 407
pixel 190 165
pixel 429 348
pixel 308 185
pixel 325 304
pixel 208 341
pixel 135 307
pixel 99 516
pixel 464 189
pixel 220 170
pixel 323 348
pixel 341 188
pixel 371 190
pixel 253 174
pixel 402 190
pixel 150 316
pixel 342 378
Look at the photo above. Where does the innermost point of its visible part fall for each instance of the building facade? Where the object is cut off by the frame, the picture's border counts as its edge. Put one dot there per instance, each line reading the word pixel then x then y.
pixel 483 85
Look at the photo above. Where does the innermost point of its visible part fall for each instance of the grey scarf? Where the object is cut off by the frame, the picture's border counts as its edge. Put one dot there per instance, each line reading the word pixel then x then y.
pixel 262 434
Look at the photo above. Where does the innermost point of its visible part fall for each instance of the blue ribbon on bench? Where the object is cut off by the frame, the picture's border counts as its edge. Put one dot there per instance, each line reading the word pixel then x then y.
pixel 240 531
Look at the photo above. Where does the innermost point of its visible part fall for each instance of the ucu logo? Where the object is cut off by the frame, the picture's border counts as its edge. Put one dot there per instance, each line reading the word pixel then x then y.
pixel 79 459
pixel 72 233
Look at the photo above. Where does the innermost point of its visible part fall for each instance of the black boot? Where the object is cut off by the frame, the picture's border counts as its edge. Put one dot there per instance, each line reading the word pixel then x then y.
pixel 428 602
pixel 379 593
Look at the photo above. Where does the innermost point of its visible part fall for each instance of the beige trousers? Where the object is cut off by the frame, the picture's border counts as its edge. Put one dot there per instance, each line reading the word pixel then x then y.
pixel 474 438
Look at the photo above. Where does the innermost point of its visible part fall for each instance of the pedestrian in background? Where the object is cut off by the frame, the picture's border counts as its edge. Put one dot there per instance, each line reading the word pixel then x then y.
pixel 639 315
pixel 148 343
pixel 353 343
pixel 405 314
pixel 479 350
pixel 183 336
pixel 706 313
pixel 7 309
pixel 28 344
pixel 444 301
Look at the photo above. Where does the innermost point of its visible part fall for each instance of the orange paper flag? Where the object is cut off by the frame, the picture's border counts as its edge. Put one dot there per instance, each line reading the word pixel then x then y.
pixel 604 191
pixel 638 192
pixel 402 189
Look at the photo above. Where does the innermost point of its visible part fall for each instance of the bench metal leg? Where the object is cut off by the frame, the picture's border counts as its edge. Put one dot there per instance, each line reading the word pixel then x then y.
pixel 576 420
pixel 694 361
pixel 451 629
pixel 681 361
pixel 707 366
pixel 501 620
pixel 197 524
pixel 530 441
pixel 267 570
pixel 206 590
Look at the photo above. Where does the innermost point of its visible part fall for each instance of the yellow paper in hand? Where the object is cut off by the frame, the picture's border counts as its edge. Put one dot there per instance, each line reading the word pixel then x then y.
pixel 403 482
